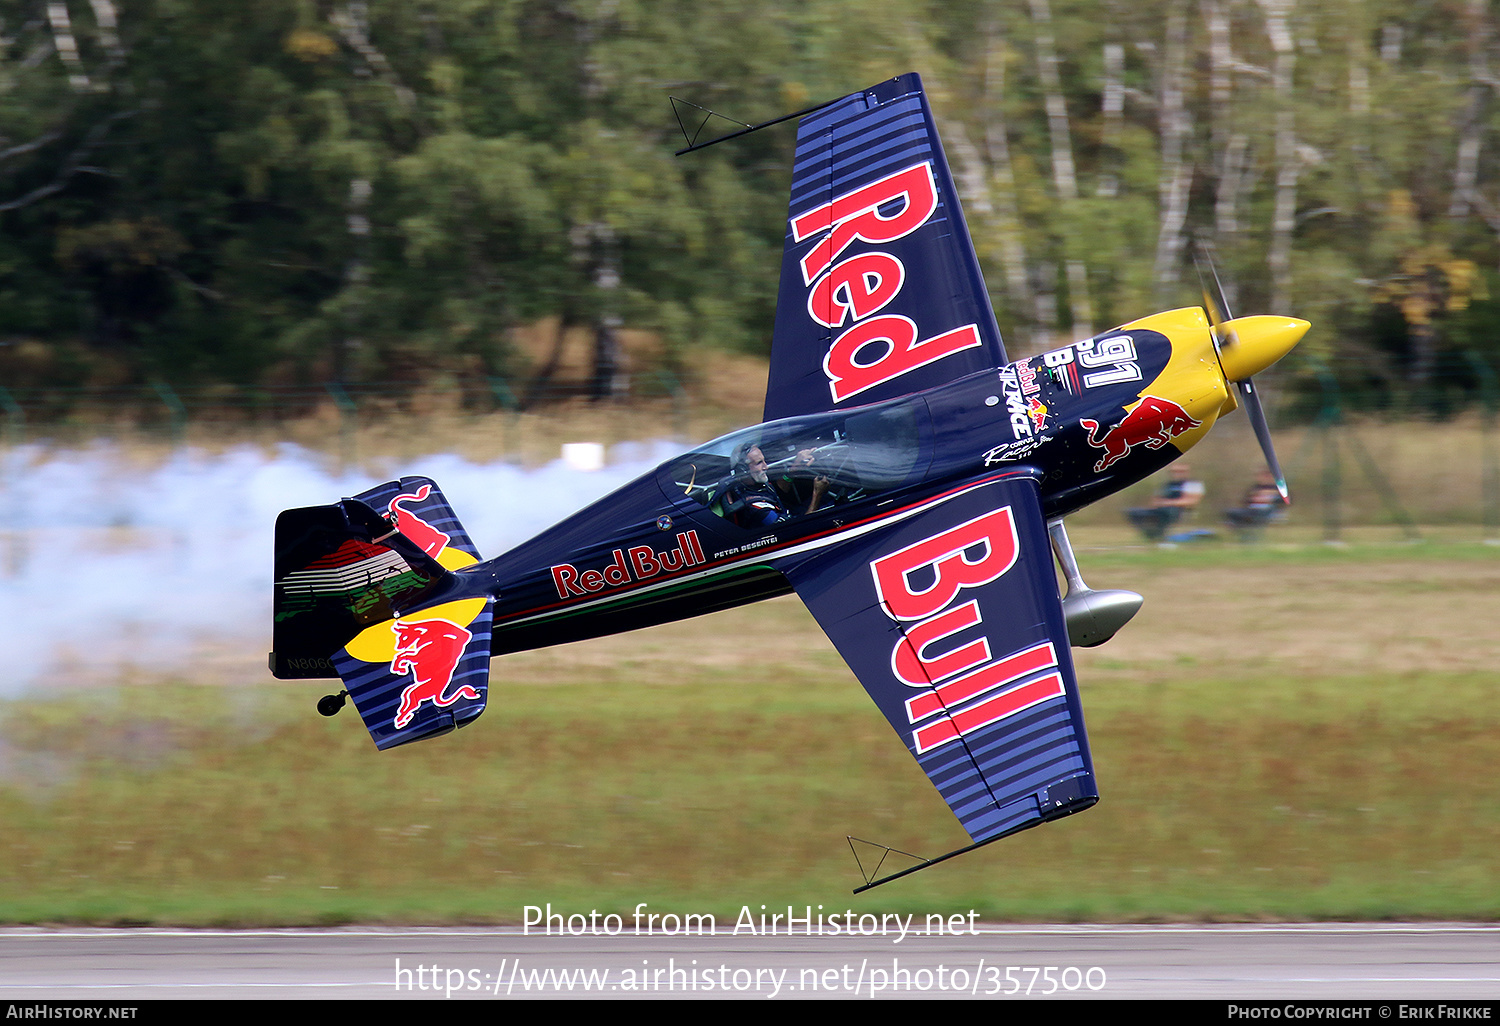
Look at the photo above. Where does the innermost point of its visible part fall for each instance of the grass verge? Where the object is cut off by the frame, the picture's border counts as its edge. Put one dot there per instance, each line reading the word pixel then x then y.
pixel 1264 749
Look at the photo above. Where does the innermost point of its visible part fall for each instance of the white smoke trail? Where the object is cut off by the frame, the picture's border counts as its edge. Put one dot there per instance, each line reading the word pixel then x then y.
pixel 106 564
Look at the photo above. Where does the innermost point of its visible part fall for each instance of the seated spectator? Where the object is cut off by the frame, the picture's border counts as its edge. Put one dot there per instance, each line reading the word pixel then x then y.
pixel 1177 498
pixel 1261 503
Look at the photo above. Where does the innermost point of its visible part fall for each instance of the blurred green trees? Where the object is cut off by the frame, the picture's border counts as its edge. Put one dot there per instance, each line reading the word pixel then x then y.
pixel 302 190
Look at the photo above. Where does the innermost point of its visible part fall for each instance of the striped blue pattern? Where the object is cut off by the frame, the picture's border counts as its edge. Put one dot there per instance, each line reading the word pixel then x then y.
pixel 861 139
pixel 1008 774
pixel 376 691
pixel 991 777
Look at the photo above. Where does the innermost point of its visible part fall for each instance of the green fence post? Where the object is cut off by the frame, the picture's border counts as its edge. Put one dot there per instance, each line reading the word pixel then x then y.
pixel 505 399
pixel 1489 393
pixel 348 412
pixel 1327 424
pixel 175 408
pixel 15 418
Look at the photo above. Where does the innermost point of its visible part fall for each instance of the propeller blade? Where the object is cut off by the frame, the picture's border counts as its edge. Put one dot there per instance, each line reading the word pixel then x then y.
pixel 1226 342
pixel 1214 303
pixel 1257 415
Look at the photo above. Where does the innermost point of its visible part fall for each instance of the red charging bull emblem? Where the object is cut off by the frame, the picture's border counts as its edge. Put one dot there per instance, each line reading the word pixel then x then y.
pixel 428 538
pixel 1153 423
pixel 429 650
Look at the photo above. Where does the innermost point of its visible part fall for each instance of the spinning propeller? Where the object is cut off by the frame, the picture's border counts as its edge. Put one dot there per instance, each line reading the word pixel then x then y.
pixel 1247 346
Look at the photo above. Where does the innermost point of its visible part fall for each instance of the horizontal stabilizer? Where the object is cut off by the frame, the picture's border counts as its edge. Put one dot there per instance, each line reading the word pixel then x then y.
pixel 421 675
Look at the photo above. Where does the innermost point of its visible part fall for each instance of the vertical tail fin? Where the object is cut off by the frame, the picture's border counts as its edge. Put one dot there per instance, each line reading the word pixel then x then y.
pixel 881 293
pixel 364 591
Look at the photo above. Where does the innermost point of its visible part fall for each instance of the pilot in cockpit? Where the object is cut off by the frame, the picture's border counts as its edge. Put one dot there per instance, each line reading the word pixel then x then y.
pixel 753 499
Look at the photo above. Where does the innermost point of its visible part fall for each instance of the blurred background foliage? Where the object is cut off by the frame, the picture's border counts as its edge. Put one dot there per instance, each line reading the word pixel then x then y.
pixel 279 192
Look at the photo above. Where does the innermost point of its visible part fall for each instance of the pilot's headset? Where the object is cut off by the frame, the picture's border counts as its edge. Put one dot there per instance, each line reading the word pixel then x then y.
pixel 739 472
pixel 739 461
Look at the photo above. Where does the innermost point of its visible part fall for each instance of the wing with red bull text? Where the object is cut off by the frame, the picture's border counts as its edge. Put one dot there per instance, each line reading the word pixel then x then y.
pixel 881 294
pixel 950 618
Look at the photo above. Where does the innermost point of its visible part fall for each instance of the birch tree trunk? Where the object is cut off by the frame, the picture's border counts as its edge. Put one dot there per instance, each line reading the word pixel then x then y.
pixel 1002 174
pixel 67 45
pixel 1114 117
pixel 1064 174
pixel 1176 170
pixel 1471 128
pixel 1064 171
pixel 1284 217
pixel 595 243
pixel 1231 149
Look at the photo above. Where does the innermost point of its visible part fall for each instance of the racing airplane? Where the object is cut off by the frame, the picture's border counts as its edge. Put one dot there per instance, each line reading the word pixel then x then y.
pixel 909 484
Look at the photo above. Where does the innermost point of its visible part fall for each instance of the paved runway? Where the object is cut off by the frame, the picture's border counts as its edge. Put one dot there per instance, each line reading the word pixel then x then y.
pixel 1378 962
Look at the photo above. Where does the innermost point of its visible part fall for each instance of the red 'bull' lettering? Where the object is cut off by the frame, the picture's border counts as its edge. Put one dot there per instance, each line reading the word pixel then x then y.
pixel 962 686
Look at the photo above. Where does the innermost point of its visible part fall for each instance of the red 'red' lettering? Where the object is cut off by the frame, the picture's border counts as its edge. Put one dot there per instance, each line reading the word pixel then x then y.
pixel 997 674
pixel 910 663
pixel 564 577
pixel 897 335
pixel 617 573
pixel 592 580
pixel 861 285
pixel 644 558
pixel 947 556
pixel 856 215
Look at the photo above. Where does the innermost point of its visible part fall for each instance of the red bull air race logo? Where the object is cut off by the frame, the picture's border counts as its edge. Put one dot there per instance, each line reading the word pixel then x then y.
pixel 875 347
pixel 958 684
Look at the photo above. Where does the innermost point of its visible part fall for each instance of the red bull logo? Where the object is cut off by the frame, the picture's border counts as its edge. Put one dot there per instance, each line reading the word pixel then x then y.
pixel 876 347
pixel 637 563
pixel 430 651
pixel 428 538
pixel 1037 411
pixel 920 587
pixel 1153 423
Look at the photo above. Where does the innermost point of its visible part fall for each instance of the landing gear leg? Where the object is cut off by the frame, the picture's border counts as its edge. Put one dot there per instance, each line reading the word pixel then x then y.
pixel 1093 616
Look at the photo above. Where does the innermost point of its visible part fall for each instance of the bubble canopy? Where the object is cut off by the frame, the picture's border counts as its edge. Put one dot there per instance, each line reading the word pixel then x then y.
pixel 859 453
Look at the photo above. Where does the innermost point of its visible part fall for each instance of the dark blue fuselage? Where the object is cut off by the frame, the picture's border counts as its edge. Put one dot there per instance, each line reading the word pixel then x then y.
pixel 661 548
